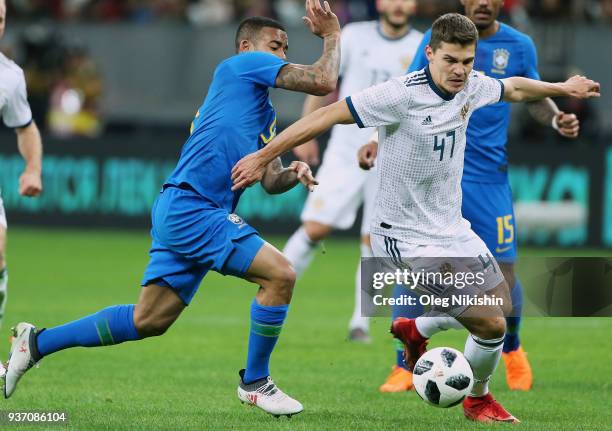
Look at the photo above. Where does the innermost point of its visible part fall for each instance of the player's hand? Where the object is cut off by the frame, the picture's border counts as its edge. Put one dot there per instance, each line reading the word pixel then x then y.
pixel 320 19
pixel 304 174
pixel 567 125
pixel 30 183
pixel 366 155
pixel 582 87
pixel 308 152
pixel 249 170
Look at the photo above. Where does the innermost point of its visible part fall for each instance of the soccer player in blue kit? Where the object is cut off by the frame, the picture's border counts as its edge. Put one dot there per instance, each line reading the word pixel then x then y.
pixel 501 52
pixel 194 227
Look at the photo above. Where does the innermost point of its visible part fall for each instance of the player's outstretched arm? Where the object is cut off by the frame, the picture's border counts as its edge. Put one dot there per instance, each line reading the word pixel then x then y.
pixel 519 89
pixel 250 169
pixel 321 77
pixel 277 179
pixel 309 151
pixel 30 147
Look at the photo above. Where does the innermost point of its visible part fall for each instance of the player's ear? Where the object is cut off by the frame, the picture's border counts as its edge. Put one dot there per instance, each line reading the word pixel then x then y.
pixel 429 52
pixel 244 46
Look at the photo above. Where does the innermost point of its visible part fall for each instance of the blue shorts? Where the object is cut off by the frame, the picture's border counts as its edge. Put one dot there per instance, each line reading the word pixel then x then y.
pixel 190 237
pixel 488 207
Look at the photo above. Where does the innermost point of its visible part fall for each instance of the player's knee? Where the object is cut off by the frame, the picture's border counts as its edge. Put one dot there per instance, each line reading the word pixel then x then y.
pixel 148 325
pixel 283 280
pixel 316 231
pixel 491 328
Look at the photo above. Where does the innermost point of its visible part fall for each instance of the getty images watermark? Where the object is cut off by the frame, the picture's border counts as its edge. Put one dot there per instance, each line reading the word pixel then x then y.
pixel 552 286
pixel 436 283
pixel 448 285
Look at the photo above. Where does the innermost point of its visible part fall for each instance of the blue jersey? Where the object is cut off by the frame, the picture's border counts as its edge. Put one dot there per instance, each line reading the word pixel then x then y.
pixel 506 53
pixel 237 118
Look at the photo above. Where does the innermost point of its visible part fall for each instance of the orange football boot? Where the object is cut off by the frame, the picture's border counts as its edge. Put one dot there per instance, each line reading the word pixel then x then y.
pixel 399 380
pixel 518 370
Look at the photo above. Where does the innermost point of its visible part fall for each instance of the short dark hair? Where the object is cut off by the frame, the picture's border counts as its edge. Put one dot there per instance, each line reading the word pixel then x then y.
pixel 249 28
pixel 453 28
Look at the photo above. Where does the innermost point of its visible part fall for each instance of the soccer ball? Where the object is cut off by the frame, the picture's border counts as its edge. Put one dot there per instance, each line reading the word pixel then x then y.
pixel 443 377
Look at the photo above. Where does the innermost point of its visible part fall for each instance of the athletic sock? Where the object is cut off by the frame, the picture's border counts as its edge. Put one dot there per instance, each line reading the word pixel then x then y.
pixel 483 356
pixel 358 321
pixel 399 354
pixel 409 311
pixel 112 325
pixel 300 250
pixel 266 325
pixel 428 326
pixel 513 322
pixel 3 291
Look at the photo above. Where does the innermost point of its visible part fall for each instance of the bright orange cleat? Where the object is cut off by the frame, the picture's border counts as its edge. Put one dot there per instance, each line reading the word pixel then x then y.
pixel 486 409
pixel 415 344
pixel 518 370
pixel 399 380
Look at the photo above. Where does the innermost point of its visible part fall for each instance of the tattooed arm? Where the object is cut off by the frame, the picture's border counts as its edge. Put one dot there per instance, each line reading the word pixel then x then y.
pixel 321 77
pixel 277 179
pixel 547 113
pixel 543 111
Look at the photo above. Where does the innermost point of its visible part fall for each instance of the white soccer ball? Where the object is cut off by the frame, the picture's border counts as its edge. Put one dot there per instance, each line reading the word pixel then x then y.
pixel 443 377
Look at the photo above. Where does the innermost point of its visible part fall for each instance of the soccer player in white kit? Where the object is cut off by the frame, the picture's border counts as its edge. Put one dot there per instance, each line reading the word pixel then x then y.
pixel 16 114
pixel 422 120
pixel 372 52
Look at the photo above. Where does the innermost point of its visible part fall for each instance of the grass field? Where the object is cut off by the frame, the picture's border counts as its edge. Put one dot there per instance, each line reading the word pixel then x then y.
pixel 187 378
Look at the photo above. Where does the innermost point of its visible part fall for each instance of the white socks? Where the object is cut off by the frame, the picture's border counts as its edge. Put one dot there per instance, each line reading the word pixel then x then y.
pixel 300 250
pixel 483 356
pixel 357 320
pixel 428 326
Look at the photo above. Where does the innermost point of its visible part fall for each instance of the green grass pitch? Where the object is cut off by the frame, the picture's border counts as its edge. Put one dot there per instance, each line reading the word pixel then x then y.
pixel 186 380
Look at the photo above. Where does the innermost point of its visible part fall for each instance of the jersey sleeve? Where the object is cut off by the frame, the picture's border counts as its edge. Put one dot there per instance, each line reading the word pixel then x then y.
pixel 487 91
pixel 420 59
pixel 531 60
pixel 258 67
pixel 16 112
pixel 380 105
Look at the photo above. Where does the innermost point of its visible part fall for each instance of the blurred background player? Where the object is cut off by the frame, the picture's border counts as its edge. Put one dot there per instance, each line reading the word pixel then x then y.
pixel 16 114
pixel 195 229
pixel 372 52
pixel 487 198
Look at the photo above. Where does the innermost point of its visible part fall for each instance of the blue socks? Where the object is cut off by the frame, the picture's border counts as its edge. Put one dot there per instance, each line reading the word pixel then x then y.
pixel 112 325
pixel 404 311
pixel 266 325
pixel 512 341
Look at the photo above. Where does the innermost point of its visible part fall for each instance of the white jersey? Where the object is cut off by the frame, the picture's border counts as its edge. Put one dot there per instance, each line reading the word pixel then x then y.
pixel 420 157
pixel 369 58
pixel 14 107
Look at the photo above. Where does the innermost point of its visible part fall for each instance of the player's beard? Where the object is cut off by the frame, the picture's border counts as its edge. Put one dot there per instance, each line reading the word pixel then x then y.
pixel 395 25
pixel 482 26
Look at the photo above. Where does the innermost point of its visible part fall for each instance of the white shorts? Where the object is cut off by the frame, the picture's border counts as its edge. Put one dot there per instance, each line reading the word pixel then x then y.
pixel 468 254
pixel 343 187
pixel 2 214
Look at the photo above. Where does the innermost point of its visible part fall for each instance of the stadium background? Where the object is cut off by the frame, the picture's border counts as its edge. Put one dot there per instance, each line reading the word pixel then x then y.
pixel 114 86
